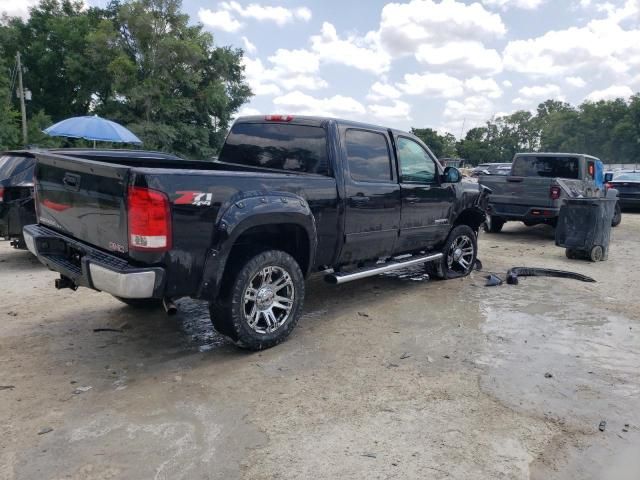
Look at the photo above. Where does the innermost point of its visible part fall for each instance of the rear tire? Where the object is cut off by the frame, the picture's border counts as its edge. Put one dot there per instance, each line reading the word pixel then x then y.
pixel 494 224
pixel 264 301
pixel 141 303
pixel 617 215
pixel 459 254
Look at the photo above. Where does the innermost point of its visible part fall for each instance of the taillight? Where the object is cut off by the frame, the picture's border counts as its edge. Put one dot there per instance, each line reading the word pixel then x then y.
pixel 1 194
pixel 149 220
pixel 554 192
pixel 35 201
pixel 608 185
pixel 278 118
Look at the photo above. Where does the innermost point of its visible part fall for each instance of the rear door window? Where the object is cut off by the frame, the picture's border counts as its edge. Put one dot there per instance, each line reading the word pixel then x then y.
pixel 544 166
pixel 368 156
pixel 294 148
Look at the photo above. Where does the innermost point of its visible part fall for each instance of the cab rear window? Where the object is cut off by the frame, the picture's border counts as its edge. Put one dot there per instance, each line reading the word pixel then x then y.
pixel 544 166
pixel 294 148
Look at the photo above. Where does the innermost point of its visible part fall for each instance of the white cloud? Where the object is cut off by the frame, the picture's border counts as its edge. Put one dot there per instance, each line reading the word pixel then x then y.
pixel 506 4
pixel 247 111
pixel 308 82
pixel 292 69
pixel 507 84
pixel 18 8
pixel 399 110
pixel 383 91
pixel 466 55
pixel 301 103
pixel 303 13
pixel 483 86
pixel 404 26
pixel 613 92
pixel 535 91
pixel 463 115
pixel 298 61
pixel 577 82
pixel 278 15
pixel 436 84
pixel 601 45
pixel 529 96
pixel 360 53
pixel 225 18
pixel 248 46
pixel 221 20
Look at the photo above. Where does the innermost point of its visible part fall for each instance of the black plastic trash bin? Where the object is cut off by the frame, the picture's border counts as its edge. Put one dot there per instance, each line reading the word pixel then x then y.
pixel 584 227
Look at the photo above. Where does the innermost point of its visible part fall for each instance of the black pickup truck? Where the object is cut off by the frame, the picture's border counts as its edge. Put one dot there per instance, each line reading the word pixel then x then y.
pixel 287 197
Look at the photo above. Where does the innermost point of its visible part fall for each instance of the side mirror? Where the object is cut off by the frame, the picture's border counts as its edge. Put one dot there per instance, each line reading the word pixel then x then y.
pixel 608 177
pixel 452 175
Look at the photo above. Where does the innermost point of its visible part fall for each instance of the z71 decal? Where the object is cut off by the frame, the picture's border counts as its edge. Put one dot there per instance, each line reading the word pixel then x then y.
pixel 199 199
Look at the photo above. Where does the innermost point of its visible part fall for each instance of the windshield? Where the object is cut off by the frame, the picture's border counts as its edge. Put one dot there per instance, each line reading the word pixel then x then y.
pixel 544 166
pixel 627 176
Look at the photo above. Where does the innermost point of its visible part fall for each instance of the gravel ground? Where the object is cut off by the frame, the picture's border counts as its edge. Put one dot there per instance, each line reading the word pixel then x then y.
pixel 390 377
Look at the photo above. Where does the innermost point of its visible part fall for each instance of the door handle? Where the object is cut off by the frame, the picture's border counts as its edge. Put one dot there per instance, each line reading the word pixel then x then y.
pixel 71 181
pixel 360 199
pixel 412 199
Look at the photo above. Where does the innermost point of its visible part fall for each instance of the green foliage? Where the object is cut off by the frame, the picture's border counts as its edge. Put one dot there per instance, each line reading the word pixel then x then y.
pixel 607 129
pixel 442 146
pixel 9 118
pixel 137 62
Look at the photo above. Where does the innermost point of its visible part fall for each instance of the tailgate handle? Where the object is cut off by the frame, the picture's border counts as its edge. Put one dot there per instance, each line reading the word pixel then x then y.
pixel 514 179
pixel 71 181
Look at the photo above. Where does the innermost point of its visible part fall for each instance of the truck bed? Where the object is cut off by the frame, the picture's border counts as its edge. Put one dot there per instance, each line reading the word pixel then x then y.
pixel 86 200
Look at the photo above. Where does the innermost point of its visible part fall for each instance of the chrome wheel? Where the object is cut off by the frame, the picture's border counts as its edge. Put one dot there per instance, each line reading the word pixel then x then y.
pixel 461 254
pixel 268 299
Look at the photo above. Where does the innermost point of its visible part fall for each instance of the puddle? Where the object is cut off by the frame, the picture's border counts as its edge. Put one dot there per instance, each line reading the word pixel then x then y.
pixel 193 321
pixel 554 352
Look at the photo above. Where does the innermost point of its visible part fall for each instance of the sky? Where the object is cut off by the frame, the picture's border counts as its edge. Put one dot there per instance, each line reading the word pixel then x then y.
pixel 444 64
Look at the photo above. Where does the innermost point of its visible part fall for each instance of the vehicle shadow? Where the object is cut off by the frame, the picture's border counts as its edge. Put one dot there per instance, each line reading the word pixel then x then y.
pixel 115 333
pixel 519 230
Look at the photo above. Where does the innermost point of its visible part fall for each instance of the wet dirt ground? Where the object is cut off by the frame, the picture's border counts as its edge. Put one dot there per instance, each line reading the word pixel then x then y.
pixel 390 377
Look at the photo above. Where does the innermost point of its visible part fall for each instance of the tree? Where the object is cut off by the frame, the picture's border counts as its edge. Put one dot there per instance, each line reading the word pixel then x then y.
pixel 442 146
pixel 9 117
pixel 137 62
pixel 54 42
pixel 170 84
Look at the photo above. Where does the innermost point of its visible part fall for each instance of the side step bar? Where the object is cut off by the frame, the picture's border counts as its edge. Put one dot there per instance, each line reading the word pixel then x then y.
pixel 338 278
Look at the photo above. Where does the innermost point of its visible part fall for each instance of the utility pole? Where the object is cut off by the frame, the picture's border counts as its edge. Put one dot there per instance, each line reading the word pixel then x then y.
pixel 23 109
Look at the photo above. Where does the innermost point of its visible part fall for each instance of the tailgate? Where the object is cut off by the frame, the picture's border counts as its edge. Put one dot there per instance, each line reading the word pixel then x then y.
pixel 529 191
pixel 84 199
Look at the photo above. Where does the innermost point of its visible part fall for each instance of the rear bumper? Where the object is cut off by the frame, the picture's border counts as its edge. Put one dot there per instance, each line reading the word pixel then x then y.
pixel 88 267
pixel 522 212
pixel 629 202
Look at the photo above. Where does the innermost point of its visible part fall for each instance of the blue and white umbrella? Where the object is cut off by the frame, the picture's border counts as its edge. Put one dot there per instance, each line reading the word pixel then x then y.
pixel 92 128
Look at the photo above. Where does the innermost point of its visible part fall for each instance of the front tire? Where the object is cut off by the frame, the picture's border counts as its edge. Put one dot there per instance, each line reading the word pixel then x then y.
pixel 494 224
pixel 459 254
pixel 617 215
pixel 264 301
